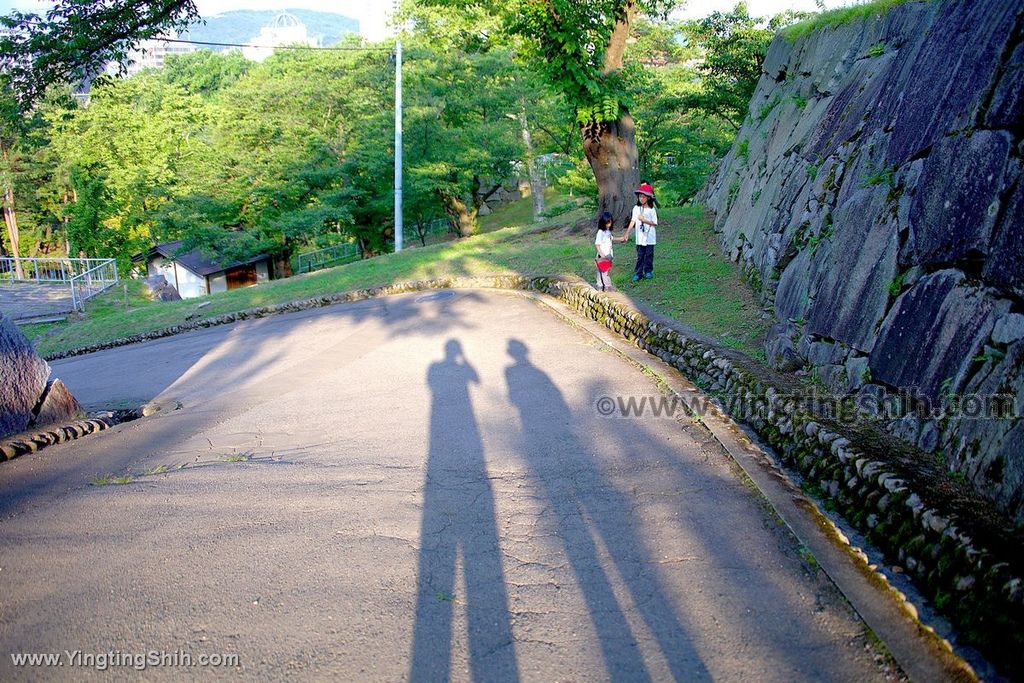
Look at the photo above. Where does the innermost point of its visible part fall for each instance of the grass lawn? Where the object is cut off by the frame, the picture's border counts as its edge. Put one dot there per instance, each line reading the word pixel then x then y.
pixel 692 283
pixel 521 212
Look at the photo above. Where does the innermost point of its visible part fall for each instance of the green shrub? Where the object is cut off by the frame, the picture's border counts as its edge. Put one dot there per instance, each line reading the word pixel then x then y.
pixel 767 107
pixel 743 150
pixel 897 284
pixel 876 50
pixel 734 190
pixel 880 176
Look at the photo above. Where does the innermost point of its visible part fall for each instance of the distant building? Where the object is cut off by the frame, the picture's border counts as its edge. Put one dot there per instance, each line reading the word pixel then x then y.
pixel 150 54
pixel 286 29
pixel 194 274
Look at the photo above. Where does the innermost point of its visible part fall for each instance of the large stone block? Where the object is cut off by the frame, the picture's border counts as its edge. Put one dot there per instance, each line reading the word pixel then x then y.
pixel 781 347
pixel 957 202
pixel 943 88
pixel 852 291
pixel 793 295
pixel 159 289
pixel 989 448
pixel 23 377
pixel 58 406
pixel 1005 266
pixel 928 339
pixel 1007 108
pixel 852 112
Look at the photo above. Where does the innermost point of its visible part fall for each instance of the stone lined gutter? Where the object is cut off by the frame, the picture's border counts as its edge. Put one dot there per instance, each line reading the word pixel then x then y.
pixel 32 442
pixel 962 552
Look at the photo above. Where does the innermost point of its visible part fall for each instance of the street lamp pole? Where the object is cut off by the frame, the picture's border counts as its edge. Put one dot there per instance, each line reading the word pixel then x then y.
pixel 398 146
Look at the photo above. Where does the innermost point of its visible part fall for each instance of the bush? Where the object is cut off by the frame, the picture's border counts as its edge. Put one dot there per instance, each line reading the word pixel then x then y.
pixel 839 17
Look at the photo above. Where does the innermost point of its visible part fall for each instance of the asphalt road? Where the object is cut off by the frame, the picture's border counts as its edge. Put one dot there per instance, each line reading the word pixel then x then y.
pixel 413 488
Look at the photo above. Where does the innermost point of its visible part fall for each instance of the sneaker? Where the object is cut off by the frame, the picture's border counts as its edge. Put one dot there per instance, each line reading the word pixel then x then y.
pixel 648 275
pixel 636 278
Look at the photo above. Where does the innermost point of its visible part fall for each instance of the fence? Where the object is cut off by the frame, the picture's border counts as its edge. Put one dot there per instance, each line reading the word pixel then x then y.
pixel 322 258
pixel 438 226
pixel 86 277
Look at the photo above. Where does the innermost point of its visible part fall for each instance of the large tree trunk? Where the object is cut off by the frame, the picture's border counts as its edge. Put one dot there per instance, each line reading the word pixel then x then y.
pixel 282 267
pixel 611 146
pixel 464 217
pixel 536 182
pixel 611 150
pixel 11 220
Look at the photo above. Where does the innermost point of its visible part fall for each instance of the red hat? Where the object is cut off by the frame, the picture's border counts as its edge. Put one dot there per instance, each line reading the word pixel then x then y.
pixel 645 188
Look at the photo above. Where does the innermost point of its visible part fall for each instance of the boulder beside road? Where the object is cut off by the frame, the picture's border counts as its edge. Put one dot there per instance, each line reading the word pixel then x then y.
pixel 159 289
pixel 27 396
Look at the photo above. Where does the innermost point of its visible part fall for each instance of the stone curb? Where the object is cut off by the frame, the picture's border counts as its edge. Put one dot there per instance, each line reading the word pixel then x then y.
pixel 953 542
pixel 33 442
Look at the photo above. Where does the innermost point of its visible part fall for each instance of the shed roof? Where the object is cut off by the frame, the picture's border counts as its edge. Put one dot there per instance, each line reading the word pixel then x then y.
pixel 195 260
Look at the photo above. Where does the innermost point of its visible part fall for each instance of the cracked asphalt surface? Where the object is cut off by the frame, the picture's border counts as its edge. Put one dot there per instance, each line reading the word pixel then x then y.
pixel 411 488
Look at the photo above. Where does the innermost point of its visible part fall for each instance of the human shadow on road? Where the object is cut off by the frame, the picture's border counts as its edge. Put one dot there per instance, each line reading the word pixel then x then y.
pixel 589 508
pixel 459 517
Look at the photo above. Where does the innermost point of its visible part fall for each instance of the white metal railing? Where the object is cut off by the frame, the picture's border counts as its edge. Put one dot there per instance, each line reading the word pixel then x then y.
pixel 321 258
pixel 86 277
pixel 93 281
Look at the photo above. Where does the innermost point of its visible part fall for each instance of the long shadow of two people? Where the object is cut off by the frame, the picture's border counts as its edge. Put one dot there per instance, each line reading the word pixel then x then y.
pixel 458 515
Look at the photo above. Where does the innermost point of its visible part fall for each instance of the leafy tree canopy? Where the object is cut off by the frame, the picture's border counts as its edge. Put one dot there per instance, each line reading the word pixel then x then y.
pixel 577 45
pixel 732 46
pixel 75 39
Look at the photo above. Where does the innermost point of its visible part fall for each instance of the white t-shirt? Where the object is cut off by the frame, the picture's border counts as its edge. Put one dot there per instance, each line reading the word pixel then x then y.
pixel 604 242
pixel 645 234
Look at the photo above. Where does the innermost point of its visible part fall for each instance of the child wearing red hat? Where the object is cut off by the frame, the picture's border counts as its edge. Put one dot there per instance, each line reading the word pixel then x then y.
pixel 645 221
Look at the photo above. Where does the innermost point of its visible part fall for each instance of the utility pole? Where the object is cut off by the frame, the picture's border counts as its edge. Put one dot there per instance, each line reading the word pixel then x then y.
pixel 398 146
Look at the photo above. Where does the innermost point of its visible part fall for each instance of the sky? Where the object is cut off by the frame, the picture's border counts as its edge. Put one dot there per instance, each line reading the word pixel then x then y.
pixel 372 13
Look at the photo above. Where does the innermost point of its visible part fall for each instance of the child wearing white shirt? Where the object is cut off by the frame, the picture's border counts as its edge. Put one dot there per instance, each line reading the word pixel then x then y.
pixel 645 221
pixel 603 245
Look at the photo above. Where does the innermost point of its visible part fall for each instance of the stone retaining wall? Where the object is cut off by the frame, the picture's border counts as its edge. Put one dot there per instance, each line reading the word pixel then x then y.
pixel 875 197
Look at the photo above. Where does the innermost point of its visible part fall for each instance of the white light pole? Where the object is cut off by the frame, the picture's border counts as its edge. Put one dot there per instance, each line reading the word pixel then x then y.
pixel 398 146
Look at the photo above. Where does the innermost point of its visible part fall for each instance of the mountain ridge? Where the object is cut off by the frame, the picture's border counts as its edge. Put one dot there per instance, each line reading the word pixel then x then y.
pixel 241 26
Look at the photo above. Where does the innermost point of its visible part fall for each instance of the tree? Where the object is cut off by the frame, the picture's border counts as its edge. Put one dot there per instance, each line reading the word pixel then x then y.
pixel 463 128
pixel 134 137
pixel 204 71
pixel 579 47
pixel 677 143
pixel 733 46
pixel 87 234
pixel 75 39
pixel 37 178
pixel 11 126
pixel 467 110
